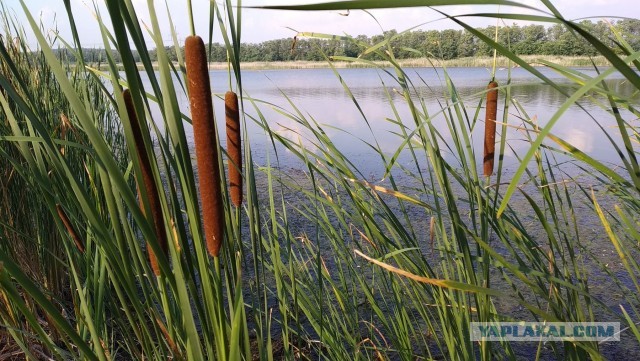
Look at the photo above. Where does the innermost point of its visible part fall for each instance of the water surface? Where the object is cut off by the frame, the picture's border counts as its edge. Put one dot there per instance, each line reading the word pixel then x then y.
pixel 354 107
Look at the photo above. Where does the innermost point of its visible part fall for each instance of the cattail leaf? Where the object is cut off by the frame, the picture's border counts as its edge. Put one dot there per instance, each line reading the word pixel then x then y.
pixel 387 4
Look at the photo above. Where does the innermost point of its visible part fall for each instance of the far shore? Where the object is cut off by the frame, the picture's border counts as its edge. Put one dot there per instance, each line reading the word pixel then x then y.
pixel 471 62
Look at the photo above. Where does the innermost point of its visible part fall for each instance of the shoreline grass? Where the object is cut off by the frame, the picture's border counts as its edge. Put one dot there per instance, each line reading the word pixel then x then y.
pixel 471 62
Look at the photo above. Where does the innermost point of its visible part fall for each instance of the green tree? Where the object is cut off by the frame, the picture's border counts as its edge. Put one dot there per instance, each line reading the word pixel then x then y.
pixel 630 29
pixel 533 37
pixel 449 42
pixel 553 45
pixel 468 45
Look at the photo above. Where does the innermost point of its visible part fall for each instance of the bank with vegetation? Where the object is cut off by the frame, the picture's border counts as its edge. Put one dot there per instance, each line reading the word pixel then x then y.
pixel 473 62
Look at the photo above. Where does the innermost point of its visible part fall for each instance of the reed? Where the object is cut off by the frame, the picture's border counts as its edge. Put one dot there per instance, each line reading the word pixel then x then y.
pixel 205 138
pixel 234 147
pixel 146 179
pixel 490 128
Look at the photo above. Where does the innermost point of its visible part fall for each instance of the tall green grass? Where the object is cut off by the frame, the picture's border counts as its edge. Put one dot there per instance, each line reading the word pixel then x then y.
pixel 36 116
pixel 350 269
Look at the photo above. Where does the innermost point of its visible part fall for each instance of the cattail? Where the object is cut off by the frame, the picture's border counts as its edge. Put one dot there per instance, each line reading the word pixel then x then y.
pixel 204 132
pixel 490 128
pixel 234 147
pixel 148 182
pixel 69 227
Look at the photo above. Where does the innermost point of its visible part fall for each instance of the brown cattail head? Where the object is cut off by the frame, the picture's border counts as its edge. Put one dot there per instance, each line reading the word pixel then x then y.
pixel 149 184
pixel 234 147
pixel 69 227
pixel 204 133
pixel 490 128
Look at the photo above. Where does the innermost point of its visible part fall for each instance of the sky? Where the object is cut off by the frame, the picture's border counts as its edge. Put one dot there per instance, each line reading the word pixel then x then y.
pixel 259 25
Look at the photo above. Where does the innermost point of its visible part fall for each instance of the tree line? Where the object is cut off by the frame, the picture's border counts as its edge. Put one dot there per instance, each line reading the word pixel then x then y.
pixel 444 44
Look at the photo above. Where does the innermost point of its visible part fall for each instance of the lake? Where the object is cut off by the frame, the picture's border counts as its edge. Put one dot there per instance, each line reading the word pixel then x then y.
pixel 319 95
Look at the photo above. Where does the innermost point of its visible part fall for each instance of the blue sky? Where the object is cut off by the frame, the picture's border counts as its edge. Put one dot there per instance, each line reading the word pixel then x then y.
pixel 260 25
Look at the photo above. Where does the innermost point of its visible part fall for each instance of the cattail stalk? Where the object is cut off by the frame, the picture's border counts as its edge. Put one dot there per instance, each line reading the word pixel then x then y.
pixel 234 147
pixel 490 128
pixel 204 132
pixel 149 184
pixel 72 232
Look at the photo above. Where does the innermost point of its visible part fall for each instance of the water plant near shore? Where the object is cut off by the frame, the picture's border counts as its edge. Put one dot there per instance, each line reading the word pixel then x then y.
pixel 205 137
pixel 490 128
pixel 234 146
pixel 319 263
